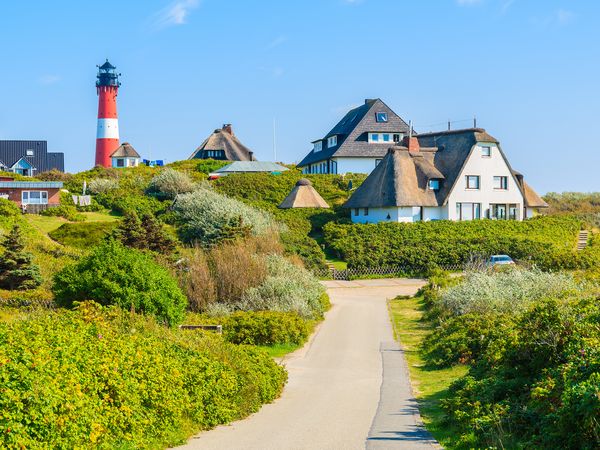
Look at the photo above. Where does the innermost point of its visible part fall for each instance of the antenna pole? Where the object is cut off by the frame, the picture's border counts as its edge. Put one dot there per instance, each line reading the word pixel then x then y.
pixel 448 125
pixel 274 143
pixel 474 121
pixel 410 129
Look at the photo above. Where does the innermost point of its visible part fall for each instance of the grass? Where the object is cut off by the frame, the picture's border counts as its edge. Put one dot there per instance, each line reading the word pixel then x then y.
pixel 429 385
pixel 45 224
pixel 279 350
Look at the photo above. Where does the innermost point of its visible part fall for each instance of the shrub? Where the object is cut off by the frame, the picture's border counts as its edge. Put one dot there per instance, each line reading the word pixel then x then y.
pixel 103 185
pixel 197 281
pixel 8 209
pixel 206 217
pixel 509 291
pixel 114 274
pixel 65 211
pixel 286 288
pixel 82 235
pixel 108 379
pixel 145 234
pixel 169 183
pixel 17 270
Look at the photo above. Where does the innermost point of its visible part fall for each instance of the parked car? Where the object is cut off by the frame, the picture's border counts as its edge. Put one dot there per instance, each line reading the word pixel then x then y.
pixel 500 260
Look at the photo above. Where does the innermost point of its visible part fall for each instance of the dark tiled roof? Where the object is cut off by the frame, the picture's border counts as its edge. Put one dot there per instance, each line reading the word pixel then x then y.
pixel 107 65
pixel 225 140
pixel 352 132
pixel 125 150
pixel 42 160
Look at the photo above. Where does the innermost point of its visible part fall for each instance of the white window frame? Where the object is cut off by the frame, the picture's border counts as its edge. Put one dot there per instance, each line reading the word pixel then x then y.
pixel 331 141
pixel 318 146
pixel 385 137
pixel 374 138
pixel 382 114
pixel 26 197
pixel 468 177
pixel 486 151
pixel 502 183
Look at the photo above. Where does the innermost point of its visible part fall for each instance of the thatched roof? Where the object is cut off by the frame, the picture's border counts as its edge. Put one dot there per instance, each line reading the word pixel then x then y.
pixel 400 179
pixel 532 199
pixel 125 150
pixel 224 140
pixel 303 195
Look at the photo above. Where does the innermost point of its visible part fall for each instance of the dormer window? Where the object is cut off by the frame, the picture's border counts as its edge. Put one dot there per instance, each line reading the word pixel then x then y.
pixel 331 141
pixel 318 146
pixel 434 185
pixel 381 117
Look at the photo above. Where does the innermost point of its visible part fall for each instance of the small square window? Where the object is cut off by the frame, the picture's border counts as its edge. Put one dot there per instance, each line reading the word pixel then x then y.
pixel 381 117
pixel 377 161
pixel 472 181
pixel 397 137
pixel 366 211
pixel 29 152
pixel 501 183
pixel 318 146
pixel 120 163
pixel 386 137
pixel 331 141
pixel 434 185
pixel 486 151
pixel 374 137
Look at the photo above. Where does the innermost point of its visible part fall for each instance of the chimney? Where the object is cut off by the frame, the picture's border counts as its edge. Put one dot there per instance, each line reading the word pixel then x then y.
pixel 412 143
pixel 367 100
pixel 227 128
pixel 251 155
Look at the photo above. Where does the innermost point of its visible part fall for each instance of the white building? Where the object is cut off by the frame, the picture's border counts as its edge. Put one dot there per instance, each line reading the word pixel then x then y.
pixel 358 142
pixel 453 175
pixel 125 156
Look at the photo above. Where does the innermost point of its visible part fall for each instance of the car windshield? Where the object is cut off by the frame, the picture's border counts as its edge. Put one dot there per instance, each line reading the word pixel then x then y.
pixel 502 258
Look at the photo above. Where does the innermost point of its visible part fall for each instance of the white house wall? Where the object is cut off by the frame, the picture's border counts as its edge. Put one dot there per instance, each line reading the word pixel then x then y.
pixel 486 168
pixel 402 214
pixel 355 165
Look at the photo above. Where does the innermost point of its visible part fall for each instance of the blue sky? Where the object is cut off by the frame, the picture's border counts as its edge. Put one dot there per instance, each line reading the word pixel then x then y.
pixel 529 70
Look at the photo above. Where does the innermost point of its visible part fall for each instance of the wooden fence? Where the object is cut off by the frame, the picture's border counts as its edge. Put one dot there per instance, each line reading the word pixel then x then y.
pixel 378 272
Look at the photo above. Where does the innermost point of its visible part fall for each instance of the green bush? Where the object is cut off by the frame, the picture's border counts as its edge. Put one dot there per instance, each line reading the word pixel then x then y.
pixel 258 327
pixel 8 209
pixel 68 212
pixel 548 242
pixel 113 274
pixel 82 235
pixel 17 270
pixel 169 183
pixel 110 379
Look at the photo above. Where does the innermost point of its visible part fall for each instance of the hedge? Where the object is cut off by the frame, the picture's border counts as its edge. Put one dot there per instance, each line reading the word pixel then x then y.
pixel 549 242
pixel 106 378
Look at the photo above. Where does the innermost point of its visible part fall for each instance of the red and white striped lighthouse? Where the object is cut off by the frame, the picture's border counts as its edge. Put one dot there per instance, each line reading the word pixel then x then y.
pixel 107 134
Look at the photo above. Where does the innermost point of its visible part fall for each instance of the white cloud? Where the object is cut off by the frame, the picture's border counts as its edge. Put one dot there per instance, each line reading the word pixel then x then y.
pixel 174 14
pixel 276 42
pixel 49 79
pixel 564 17
pixel 468 2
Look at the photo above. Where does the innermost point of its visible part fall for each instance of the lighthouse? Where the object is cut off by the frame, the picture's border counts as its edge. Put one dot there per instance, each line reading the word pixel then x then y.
pixel 107 134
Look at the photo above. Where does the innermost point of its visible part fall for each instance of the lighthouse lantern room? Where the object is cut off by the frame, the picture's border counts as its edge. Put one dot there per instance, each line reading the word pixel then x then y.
pixel 107 134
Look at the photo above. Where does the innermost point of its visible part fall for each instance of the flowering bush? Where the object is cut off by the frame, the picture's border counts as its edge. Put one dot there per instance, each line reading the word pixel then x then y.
pixel 103 185
pixel 207 217
pixel 169 183
pixel 287 287
pixel 106 378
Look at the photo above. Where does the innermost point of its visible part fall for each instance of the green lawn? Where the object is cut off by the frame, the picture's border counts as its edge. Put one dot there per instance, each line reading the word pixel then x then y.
pixel 279 350
pixel 429 385
pixel 45 224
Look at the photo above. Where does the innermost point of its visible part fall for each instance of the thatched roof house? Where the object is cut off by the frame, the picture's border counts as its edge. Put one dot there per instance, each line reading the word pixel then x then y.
pixel 125 156
pixel 455 175
pixel 222 144
pixel 303 195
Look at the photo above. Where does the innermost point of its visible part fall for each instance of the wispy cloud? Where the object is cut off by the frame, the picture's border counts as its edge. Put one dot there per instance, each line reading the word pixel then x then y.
pixel 49 79
pixel 468 2
pixel 174 14
pixel 276 42
pixel 564 17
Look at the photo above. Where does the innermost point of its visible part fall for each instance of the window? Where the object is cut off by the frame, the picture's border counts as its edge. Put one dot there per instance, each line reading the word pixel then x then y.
pixel 374 137
pixel 486 151
pixel 386 137
pixel 501 183
pixel 366 211
pixel 381 117
pixel 120 162
pixel 497 211
pixel 29 152
pixel 472 181
pixel 397 137
pixel 356 211
pixel 512 212
pixel 318 146
pixel 333 166
pixel 331 141
pixel 434 185
pixel 468 211
pixel 377 161
pixel 34 197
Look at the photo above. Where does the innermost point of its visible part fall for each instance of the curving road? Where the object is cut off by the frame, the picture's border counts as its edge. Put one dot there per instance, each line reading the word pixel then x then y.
pixel 348 388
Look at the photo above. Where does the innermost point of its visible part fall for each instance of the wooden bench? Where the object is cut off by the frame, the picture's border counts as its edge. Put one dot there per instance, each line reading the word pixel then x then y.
pixel 217 328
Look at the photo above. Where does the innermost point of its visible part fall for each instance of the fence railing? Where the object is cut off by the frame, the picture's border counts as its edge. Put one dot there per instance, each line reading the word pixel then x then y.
pixel 378 272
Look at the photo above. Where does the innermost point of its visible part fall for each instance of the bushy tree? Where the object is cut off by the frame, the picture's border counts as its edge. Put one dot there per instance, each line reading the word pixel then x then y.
pixel 169 183
pixel 115 274
pixel 17 270
pixel 145 233
pixel 103 185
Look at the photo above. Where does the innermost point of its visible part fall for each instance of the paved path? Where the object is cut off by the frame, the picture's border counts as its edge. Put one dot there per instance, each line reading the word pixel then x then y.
pixel 332 399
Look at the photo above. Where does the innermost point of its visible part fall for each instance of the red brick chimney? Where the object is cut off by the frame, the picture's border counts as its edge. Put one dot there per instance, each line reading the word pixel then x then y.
pixel 227 128
pixel 412 143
